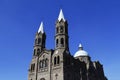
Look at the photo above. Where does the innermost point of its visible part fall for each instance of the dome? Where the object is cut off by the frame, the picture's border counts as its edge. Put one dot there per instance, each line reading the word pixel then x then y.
pixel 81 52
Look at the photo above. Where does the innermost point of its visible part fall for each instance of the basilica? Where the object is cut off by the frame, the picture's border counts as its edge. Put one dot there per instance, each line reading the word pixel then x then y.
pixel 59 64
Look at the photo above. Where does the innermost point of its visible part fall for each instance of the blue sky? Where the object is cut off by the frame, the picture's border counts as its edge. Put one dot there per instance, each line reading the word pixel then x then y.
pixel 94 23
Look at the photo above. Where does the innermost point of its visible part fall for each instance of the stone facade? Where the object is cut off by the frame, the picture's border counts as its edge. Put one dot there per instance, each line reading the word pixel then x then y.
pixel 59 64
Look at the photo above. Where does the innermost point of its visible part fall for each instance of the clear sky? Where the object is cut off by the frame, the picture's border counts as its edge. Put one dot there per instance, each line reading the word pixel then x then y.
pixel 94 23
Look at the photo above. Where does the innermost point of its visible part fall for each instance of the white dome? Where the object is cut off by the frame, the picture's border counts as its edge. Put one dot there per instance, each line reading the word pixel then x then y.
pixel 80 52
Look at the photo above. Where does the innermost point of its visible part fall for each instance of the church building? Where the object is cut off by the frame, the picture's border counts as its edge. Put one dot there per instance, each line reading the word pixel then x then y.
pixel 59 64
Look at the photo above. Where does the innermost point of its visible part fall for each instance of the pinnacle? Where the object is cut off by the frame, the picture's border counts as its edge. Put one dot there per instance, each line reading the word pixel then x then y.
pixel 41 28
pixel 61 15
pixel 80 45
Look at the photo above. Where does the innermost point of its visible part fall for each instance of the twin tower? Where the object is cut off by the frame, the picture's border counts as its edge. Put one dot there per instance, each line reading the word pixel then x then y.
pixel 61 37
pixel 59 64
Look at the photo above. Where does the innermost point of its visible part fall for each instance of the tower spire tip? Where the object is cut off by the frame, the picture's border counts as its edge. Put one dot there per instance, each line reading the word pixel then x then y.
pixel 41 28
pixel 61 15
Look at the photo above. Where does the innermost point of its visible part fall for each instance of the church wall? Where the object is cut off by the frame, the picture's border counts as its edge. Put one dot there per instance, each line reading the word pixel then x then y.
pixel 33 69
pixel 57 69
pixel 45 71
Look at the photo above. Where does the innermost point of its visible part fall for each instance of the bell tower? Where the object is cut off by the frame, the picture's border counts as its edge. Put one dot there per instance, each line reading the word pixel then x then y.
pixel 40 39
pixel 39 45
pixel 61 37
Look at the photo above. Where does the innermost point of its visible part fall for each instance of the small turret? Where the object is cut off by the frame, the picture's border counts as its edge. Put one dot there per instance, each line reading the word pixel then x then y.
pixel 80 47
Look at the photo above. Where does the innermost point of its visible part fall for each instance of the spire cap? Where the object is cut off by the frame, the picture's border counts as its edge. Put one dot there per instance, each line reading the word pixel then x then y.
pixel 41 28
pixel 61 15
pixel 80 45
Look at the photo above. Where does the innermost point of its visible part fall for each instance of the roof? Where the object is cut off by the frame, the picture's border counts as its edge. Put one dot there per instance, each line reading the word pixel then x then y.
pixel 41 28
pixel 61 16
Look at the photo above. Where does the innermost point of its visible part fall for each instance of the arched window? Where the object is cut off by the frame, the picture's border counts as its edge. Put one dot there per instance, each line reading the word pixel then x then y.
pixel 57 30
pixel 40 64
pixel 39 40
pixel 34 52
pixel 54 60
pixel 42 79
pixel 43 63
pixel 62 42
pixel 35 41
pixel 56 75
pixel 38 51
pixel 61 29
pixel 58 60
pixel 46 62
pixel 32 67
pixel 56 42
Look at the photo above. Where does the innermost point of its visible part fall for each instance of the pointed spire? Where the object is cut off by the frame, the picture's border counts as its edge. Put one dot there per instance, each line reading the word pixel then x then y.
pixel 61 16
pixel 41 28
pixel 80 46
